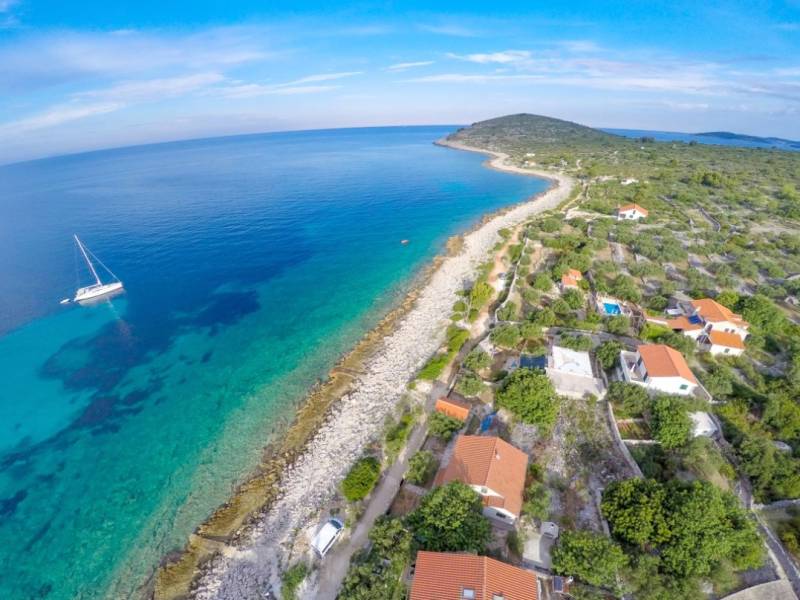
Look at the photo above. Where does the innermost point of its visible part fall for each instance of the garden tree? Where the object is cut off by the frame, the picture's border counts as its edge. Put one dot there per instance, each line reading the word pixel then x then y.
pixel 361 479
pixel 530 331
pixel 442 426
pixel 719 380
pixel 480 294
pixel 706 526
pixel 624 287
pixel 508 312
pixel 619 325
pixel 671 423
pixel 645 580
pixel 631 398
pixel 782 413
pixel 579 343
pixel 544 317
pixel 542 283
pixel 573 298
pixel 560 307
pixel 762 313
pixel 421 467
pixel 529 396
pixel 376 574
pixel 590 557
pixel 608 353
pixel 634 509
pixel 477 360
pixel 450 519
pixel 469 384
pixel 506 336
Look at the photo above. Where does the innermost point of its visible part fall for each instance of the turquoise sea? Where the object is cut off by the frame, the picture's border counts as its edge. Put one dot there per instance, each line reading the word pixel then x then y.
pixel 250 264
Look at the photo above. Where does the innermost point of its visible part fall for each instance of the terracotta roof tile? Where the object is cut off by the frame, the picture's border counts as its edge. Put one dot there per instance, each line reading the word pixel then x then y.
pixel 575 274
pixel 662 361
pixel 713 311
pixel 725 338
pixel 627 207
pixel 488 462
pixel 682 323
pixel 568 281
pixel 453 408
pixel 445 576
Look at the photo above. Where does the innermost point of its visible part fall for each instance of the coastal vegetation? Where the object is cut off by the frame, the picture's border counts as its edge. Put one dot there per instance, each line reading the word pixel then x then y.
pixel 529 395
pixel 361 478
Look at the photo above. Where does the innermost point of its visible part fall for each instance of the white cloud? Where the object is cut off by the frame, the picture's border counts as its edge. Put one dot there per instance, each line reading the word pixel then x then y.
pixel 58 115
pixel 583 46
pixel 288 88
pixel 321 77
pixel 41 60
pixel 153 89
pixel 450 29
pixel 503 58
pixel 254 90
pixel 467 78
pixel 409 65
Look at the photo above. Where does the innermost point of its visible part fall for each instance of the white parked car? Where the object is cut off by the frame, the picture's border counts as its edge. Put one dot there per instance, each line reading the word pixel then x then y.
pixel 326 536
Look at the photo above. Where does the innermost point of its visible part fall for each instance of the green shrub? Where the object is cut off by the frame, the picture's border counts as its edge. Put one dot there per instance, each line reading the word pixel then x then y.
pixel 469 384
pixel 421 467
pixel 442 426
pixel 506 336
pixel 477 360
pixel 291 580
pixel 397 434
pixel 450 519
pixel 529 396
pixel 434 367
pixel 361 479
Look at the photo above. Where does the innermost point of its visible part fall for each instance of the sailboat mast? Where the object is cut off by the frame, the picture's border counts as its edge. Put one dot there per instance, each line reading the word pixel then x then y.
pixel 88 261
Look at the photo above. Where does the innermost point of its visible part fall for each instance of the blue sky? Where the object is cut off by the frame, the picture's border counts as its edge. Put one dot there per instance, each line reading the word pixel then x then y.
pixel 84 75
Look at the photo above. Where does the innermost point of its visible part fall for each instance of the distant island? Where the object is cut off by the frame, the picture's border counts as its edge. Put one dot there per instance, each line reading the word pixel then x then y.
pixel 769 141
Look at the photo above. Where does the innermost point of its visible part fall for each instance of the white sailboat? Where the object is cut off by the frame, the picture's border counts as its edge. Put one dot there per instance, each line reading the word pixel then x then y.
pixel 99 288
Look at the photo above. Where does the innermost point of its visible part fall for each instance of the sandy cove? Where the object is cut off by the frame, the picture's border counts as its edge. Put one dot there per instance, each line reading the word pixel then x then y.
pixel 356 420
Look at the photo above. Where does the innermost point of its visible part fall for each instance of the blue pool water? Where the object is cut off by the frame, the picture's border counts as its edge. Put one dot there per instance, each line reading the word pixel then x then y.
pixel 611 309
pixel 250 264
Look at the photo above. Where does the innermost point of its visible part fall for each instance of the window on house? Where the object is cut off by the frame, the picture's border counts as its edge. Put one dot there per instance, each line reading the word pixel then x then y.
pixel 727 350
pixel 684 386
pixel 468 594
pixel 498 597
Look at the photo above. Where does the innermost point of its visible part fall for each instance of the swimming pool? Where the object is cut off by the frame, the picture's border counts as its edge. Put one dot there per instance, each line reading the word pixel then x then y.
pixel 611 308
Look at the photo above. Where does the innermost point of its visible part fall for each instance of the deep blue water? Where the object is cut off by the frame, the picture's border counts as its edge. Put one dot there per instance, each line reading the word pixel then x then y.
pixel 726 140
pixel 250 264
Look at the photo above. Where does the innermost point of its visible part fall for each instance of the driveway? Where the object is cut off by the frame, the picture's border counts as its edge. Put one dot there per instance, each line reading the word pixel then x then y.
pixel 333 568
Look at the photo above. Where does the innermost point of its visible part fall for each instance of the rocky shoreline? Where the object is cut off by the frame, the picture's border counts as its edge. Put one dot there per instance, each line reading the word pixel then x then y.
pixel 355 402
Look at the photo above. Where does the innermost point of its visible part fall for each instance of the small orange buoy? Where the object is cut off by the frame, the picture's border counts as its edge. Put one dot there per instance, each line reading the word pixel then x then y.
pixel 404 242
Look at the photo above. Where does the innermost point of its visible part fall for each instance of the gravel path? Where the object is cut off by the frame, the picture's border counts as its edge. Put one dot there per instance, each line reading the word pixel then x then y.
pixel 250 570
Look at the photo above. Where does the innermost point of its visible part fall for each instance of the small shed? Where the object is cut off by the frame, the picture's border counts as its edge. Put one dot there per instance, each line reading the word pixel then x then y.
pixel 453 408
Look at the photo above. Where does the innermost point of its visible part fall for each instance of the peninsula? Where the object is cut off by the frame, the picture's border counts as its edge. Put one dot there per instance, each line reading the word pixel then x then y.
pixel 625 346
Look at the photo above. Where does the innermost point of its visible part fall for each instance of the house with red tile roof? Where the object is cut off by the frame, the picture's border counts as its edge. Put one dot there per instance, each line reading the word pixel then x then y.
pixel 455 409
pixel 493 468
pixel 659 368
pixel 457 576
pixel 631 212
pixel 717 317
pixel 570 279
pixel 721 342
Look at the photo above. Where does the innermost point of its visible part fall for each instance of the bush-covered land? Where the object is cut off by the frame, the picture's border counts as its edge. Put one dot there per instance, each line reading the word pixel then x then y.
pixel 361 479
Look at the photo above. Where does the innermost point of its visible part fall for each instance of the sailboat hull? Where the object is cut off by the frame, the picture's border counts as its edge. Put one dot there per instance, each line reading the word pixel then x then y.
pixel 96 291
